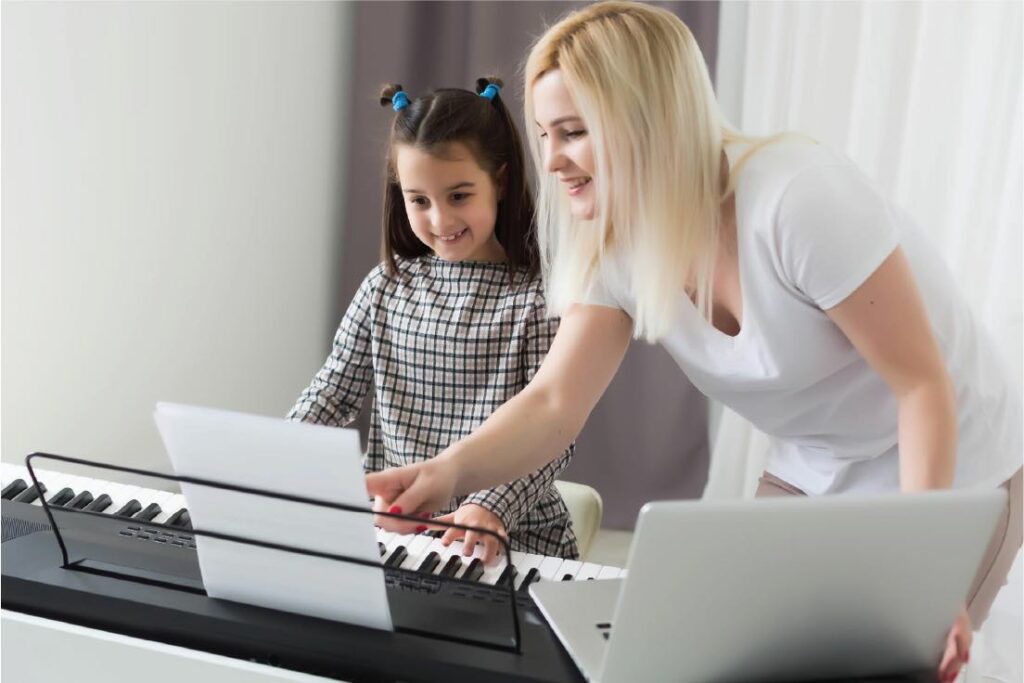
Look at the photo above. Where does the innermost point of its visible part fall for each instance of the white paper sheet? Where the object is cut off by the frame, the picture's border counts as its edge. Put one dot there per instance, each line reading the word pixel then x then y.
pixel 273 454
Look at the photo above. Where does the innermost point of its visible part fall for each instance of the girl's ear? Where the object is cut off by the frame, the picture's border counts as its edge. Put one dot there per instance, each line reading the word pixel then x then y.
pixel 501 180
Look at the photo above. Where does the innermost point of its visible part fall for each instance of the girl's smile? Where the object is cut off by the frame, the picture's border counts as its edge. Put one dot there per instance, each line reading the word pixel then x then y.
pixel 453 237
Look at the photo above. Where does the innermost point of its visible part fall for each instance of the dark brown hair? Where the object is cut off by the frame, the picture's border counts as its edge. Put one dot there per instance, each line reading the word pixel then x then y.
pixel 485 126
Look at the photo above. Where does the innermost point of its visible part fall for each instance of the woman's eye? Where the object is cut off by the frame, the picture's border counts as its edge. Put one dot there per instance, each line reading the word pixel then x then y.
pixel 573 134
pixel 543 135
pixel 418 201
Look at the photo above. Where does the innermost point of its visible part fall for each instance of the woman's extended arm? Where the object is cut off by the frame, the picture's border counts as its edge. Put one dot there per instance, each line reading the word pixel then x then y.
pixel 530 429
pixel 886 321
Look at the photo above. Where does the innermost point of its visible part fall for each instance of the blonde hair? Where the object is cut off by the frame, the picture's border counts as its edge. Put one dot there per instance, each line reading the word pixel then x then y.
pixel 641 85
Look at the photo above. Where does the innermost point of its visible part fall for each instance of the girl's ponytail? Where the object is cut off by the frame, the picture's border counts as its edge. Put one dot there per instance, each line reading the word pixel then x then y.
pixel 393 95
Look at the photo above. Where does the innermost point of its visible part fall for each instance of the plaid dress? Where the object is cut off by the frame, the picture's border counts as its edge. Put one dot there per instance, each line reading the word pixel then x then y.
pixel 444 344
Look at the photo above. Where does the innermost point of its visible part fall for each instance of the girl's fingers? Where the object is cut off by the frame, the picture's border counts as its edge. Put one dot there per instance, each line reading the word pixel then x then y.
pixel 452 534
pixel 491 548
pixel 472 538
pixel 491 545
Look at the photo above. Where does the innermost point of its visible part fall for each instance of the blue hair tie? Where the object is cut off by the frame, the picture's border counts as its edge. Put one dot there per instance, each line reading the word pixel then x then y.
pixel 491 91
pixel 399 100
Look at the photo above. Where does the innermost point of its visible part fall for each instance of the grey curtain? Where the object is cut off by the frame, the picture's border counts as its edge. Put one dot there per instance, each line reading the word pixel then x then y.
pixel 647 438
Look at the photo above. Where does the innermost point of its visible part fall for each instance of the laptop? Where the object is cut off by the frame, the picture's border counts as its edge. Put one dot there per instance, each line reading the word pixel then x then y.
pixel 779 589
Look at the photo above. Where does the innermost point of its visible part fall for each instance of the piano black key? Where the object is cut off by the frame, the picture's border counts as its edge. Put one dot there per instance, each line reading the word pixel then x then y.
pixel 474 571
pixel 100 504
pixel 430 563
pixel 61 497
pixel 129 508
pixel 531 576
pixel 80 501
pixel 382 548
pixel 181 518
pixel 397 557
pixel 13 489
pixel 567 577
pixel 507 576
pixel 452 567
pixel 30 494
pixel 147 515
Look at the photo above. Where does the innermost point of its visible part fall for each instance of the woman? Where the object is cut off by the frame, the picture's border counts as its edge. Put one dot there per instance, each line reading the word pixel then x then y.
pixel 781 282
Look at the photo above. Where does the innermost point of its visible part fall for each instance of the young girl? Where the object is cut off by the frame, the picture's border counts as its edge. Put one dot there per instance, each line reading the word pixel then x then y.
pixel 782 283
pixel 453 322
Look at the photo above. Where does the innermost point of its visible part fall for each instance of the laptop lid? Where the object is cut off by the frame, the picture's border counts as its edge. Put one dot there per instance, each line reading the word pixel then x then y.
pixel 789 589
pixel 798 588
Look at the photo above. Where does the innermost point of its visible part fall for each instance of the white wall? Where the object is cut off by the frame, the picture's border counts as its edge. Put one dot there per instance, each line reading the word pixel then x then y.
pixel 170 205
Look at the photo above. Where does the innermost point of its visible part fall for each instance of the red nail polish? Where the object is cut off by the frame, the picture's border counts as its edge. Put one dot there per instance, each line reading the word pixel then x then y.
pixel 421 528
pixel 425 515
pixel 395 510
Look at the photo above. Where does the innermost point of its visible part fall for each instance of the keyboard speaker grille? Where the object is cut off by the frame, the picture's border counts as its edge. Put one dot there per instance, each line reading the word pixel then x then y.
pixel 16 528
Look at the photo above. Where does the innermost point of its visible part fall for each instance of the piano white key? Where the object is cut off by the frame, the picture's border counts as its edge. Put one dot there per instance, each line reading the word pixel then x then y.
pixel 175 502
pixel 151 495
pixel 417 549
pixel 435 547
pixel 570 567
pixel 398 540
pixel 120 494
pixel 608 573
pixel 524 563
pixel 55 481
pixel 164 500
pixel 548 568
pixel 493 570
pixel 589 570
pixel 17 470
pixel 90 484
pixel 9 472
pixel 455 549
pixel 385 537
pixel 73 481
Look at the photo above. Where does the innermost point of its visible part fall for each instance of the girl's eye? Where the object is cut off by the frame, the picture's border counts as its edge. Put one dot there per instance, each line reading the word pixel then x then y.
pixel 460 196
pixel 418 201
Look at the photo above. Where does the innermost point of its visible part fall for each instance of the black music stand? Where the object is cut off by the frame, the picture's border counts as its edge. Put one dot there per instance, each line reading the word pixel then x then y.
pixel 109 570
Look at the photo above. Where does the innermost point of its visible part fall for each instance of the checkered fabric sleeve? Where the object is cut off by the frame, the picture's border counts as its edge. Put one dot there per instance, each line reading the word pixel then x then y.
pixel 335 396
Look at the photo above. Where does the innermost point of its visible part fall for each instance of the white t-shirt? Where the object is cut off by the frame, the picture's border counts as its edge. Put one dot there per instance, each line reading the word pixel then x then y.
pixel 810 230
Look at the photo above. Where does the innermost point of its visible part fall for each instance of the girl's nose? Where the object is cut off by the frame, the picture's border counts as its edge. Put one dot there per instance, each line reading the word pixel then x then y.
pixel 440 218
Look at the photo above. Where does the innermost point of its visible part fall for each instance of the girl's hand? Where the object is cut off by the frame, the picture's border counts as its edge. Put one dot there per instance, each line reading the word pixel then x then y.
pixel 411 490
pixel 472 514
pixel 958 645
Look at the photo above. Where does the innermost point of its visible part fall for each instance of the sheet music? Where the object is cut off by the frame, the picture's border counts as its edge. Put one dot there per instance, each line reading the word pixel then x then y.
pixel 313 461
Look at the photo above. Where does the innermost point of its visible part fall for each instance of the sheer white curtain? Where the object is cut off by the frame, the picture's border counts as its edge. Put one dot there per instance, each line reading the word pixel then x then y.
pixel 926 98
